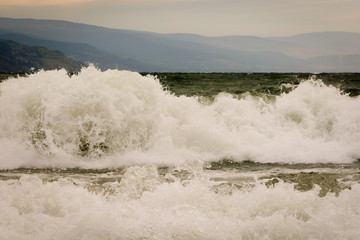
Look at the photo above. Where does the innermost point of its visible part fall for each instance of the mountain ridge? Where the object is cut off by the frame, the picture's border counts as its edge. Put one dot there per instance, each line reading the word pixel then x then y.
pixel 81 52
pixel 191 52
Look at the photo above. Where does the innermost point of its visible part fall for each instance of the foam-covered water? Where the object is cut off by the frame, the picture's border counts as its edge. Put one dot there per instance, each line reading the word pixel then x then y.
pixel 145 203
pixel 113 155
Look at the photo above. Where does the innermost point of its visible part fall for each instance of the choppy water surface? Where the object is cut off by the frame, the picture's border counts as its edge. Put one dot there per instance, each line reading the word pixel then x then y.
pixel 119 155
pixel 211 84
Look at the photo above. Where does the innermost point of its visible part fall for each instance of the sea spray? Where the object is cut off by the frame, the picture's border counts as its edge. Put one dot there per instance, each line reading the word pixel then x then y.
pixel 117 118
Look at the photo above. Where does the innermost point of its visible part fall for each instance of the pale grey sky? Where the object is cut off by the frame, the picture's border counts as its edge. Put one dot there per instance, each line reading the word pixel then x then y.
pixel 205 17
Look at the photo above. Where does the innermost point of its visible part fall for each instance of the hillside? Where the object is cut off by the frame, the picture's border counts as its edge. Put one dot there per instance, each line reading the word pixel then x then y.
pixel 146 51
pixel 78 51
pixel 15 57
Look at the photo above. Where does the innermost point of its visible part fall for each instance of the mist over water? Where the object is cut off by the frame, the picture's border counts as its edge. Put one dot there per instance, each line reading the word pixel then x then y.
pixel 109 119
pixel 119 155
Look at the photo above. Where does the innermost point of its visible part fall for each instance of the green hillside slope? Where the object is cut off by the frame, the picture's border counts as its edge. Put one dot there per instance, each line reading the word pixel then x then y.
pixel 15 57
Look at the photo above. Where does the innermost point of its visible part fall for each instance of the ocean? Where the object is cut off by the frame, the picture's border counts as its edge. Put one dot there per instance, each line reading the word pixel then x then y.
pixel 126 155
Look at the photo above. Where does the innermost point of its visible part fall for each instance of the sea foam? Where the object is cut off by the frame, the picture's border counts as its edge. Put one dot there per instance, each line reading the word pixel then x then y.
pixel 148 208
pixel 114 118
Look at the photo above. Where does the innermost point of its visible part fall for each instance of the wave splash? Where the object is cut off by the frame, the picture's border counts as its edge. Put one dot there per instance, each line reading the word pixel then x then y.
pixel 109 119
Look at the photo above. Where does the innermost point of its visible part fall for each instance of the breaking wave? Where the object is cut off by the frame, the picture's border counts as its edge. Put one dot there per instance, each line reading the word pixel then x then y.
pixel 116 118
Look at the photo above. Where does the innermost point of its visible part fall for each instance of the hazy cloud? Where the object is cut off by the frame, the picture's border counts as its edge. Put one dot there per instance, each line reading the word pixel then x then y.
pixel 206 17
pixel 75 2
pixel 315 2
pixel 34 3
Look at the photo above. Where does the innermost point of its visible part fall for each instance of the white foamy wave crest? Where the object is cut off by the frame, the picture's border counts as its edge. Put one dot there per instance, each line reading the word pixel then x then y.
pixel 108 119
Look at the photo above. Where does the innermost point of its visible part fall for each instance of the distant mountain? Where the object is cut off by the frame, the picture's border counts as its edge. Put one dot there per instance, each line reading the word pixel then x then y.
pixel 146 51
pixel 15 57
pixel 322 44
pixel 78 51
pixel 336 63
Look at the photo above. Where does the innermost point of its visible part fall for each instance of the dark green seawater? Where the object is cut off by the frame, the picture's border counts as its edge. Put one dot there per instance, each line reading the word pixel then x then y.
pixel 210 84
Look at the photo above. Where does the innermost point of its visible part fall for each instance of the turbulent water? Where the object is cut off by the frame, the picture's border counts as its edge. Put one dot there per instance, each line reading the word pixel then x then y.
pixel 120 155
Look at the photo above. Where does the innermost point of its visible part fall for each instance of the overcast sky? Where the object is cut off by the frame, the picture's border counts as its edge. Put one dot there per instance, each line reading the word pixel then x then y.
pixel 205 17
